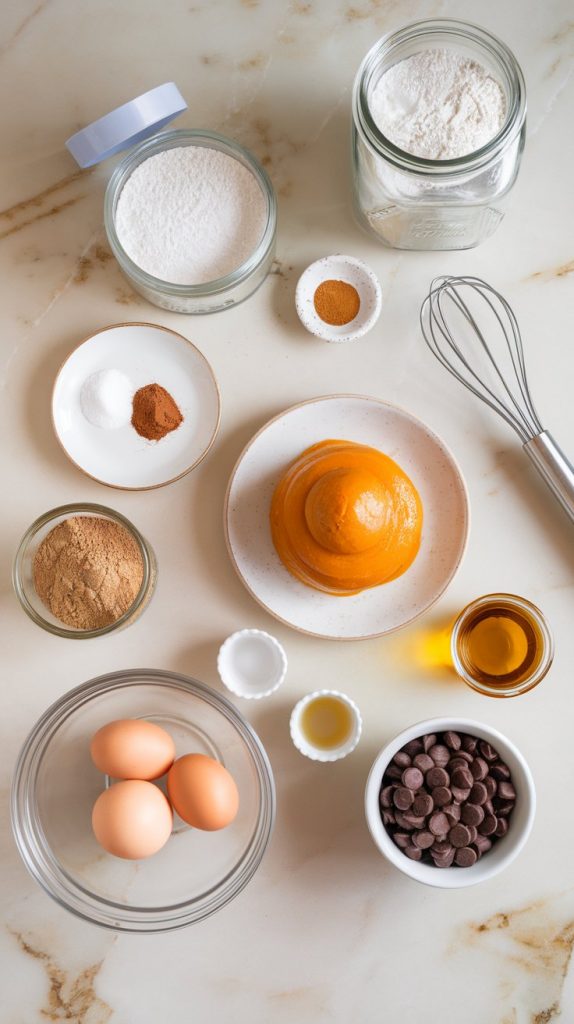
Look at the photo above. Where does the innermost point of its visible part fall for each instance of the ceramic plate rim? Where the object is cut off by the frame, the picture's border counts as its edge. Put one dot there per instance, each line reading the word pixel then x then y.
pixel 158 327
pixel 462 488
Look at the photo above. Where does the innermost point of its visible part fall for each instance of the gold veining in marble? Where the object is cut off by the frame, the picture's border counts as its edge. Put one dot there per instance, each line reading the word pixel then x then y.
pixel 71 998
pixel 533 946
pixel 23 26
pixel 562 270
pixel 22 214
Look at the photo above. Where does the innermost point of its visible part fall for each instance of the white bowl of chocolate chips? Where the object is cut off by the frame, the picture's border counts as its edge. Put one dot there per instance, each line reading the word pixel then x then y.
pixel 450 802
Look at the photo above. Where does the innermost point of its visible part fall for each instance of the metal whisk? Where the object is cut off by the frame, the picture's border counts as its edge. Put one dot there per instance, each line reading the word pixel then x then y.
pixel 477 365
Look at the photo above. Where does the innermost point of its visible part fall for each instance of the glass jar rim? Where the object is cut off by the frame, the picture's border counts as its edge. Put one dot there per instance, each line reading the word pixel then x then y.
pixel 476 159
pixel 156 144
pixel 148 563
pixel 532 610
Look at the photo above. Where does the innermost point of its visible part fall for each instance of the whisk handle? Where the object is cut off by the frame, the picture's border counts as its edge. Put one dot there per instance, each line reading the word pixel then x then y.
pixel 554 467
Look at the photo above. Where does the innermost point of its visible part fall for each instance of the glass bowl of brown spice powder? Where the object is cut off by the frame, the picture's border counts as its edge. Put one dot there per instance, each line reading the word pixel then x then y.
pixel 83 570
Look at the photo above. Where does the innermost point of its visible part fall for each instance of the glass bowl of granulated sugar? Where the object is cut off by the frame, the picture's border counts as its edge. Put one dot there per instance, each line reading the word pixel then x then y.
pixel 83 571
pixel 191 219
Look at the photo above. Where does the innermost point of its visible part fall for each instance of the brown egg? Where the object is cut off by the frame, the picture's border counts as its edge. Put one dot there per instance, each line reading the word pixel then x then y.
pixel 132 819
pixel 132 748
pixel 202 792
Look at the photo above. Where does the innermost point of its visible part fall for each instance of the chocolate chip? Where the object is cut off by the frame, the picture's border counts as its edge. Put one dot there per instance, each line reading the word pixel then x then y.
pixel 469 743
pixel 413 852
pixel 424 762
pixel 488 826
pixel 441 796
pixel 503 808
pixel 402 759
pixel 428 741
pixel 423 840
pixel 413 747
pixel 459 836
pixel 488 807
pixel 491 786
pixel 401 839
pixel 461 778
pixel 501 827
pixel 436 777
pixel 423 804
pixel 386 796
pixel 442 846
pixel 500 771
pixel 472 814
pixel 487 751
pixel 482 844
pixel 465 756
pixel 415 820
pixel 443 860
pixel 465 857
pixel 478 793
pixel 453 813
pixel 457 762
pixel 413 778
pixel 438 824
pixel 394 772
pixel 506 791
pixel 388 818
pixel 479 769
pixel 403 798
pixel 440 754
pixel 452 739
pixel 401 821
pixel 461 795
pixel 472 834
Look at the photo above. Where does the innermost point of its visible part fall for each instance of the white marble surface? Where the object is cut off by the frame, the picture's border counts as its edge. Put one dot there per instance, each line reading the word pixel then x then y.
pixel 326 931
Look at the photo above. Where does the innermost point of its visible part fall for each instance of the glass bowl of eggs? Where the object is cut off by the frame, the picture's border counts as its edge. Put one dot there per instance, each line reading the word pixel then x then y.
pixel 142 801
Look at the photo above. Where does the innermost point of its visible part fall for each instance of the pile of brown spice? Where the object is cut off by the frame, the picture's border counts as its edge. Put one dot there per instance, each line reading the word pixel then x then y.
pixel 155 413
pixel 336 302
pixel 88 571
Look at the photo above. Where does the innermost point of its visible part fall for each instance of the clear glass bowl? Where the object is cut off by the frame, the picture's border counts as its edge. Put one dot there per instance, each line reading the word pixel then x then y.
pixel 224 291
pixel 55 786
pixel 23 571
pixel 409 202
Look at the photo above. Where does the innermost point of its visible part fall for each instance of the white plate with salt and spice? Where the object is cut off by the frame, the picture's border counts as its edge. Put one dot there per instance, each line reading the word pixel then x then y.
pixel 145 354
pixel 419 452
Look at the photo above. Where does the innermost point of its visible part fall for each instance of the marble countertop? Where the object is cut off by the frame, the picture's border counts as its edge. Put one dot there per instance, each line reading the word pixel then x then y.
pixel 326 931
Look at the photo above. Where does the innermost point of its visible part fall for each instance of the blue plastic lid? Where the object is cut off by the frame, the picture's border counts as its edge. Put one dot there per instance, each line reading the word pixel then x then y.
pixel 123 127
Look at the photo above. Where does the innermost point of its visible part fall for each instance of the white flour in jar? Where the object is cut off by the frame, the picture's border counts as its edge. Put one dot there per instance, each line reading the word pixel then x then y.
pixel 438 105
pixel 190 215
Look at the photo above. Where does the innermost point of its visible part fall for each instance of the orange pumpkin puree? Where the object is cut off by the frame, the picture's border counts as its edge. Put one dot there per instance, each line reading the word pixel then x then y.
pixel 345 517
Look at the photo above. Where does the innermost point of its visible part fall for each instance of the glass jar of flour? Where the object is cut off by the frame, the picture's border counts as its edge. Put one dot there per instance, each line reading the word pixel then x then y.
pixel 436 177
pixel 190 215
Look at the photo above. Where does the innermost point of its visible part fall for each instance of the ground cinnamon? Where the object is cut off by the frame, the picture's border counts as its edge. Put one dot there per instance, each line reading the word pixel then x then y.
pixel 336 302
pixel 155 413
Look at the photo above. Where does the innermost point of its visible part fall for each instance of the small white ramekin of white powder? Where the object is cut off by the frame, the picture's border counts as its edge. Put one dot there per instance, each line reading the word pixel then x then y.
pixel 438 104
pixel 190 215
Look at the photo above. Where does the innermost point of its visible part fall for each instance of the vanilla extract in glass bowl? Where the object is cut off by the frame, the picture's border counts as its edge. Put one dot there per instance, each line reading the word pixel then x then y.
pixel 501 645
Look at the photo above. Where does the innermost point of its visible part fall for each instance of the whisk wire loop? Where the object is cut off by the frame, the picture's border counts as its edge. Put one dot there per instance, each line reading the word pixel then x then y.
pixel 510 399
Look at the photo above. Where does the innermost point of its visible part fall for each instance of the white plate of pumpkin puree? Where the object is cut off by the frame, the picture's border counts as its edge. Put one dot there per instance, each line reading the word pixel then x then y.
pixel 320 576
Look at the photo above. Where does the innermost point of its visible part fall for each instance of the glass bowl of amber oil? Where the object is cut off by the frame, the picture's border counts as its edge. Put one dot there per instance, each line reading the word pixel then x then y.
pixel 501 645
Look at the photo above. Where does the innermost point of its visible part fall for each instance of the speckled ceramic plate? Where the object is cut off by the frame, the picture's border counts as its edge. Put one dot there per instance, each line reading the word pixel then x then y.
pixel 421 454
pixel 147 354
